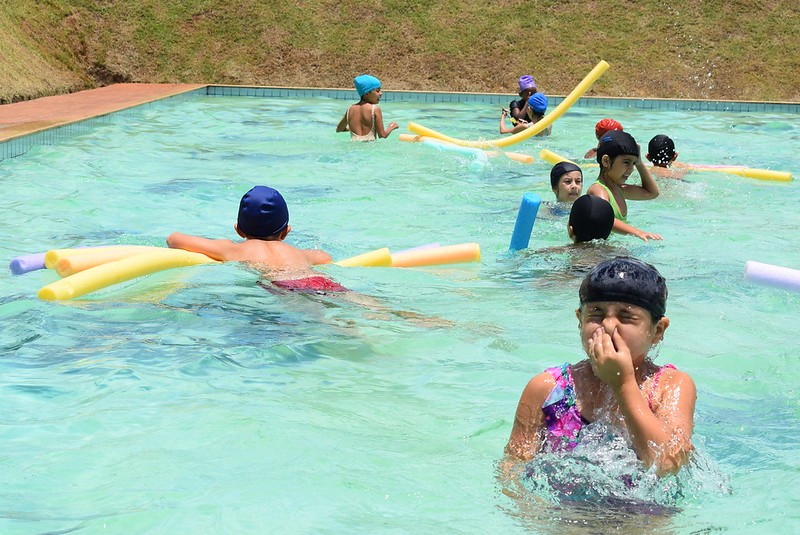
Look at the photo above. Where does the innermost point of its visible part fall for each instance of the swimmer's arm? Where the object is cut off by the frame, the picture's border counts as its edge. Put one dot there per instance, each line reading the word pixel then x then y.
pixel 217 249
pixel 663 439
pixel 528 431
pixel 342 126
pixel 379 124
pixel 648 190
pixel 591 153
pixel 317 256
pixel 622 227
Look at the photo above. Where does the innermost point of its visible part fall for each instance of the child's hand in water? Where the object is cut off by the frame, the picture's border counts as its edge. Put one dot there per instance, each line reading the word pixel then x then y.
pixel 610 357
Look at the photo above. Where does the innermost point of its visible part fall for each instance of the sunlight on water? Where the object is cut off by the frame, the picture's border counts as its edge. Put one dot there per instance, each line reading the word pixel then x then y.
pixel 193 400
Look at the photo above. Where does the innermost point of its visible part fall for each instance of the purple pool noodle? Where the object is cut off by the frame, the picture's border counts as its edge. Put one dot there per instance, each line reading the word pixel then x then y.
pixel 26 263
pixel 775 276
pixel 433 245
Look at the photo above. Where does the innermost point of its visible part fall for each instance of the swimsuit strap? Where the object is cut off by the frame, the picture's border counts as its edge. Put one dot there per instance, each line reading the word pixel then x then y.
pixel 373 119
pixel 562 417
pixel 612 201
pixel 654 383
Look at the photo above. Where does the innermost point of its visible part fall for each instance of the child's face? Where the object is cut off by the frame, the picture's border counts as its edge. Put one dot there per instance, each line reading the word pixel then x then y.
pixel 374 96
pixel 621 167
pixel 569 187
pixel 633 323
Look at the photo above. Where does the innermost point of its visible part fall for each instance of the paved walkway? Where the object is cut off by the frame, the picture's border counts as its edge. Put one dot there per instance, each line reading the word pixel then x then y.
pixel 30 116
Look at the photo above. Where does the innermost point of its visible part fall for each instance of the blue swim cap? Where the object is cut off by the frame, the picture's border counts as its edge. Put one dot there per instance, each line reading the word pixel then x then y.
pixel 538 102
pixel 365 83
pixel 262 213
pixel 626 280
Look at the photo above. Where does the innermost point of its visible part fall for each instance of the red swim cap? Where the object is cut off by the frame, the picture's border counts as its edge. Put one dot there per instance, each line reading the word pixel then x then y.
pixel 606 125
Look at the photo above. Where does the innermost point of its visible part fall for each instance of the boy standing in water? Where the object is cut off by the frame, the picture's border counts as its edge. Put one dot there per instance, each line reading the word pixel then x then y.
pixel 263 222
pixel 364 120
pixel 661 153
pixel 617 155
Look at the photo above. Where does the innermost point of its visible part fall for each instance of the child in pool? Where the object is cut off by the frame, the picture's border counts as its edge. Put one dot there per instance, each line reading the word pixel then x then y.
pixel 617 155
pixel 661 153
pixel 602 126
pixel 620 318
pixel 527 87
pixel 263 222
pixel 364 120
pixel 591 218
pixel 531 113
pixel 566 181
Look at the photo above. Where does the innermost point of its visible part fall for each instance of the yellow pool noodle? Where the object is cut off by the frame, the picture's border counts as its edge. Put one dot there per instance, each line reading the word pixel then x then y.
pixel 104 275
pixel 449 254
pixel 568 101
pixel 376 258
pixel 553 158
pixel 516 156
pixel 758 174
pixel 52 257
pixel 87 258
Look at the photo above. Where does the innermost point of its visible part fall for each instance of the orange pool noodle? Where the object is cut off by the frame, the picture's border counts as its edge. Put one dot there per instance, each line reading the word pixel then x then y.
pixel 449 254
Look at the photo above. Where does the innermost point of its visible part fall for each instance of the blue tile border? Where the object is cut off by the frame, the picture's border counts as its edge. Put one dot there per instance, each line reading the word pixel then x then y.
pixel 20 145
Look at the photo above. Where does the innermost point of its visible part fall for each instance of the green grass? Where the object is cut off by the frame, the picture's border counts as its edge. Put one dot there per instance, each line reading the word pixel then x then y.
pixel 694 49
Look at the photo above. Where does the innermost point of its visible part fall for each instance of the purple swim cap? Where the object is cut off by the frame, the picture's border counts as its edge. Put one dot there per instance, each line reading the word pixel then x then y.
pixel 526 82
pixel 262 213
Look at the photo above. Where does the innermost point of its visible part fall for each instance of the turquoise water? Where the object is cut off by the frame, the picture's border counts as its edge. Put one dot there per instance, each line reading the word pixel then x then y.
pixel 194 401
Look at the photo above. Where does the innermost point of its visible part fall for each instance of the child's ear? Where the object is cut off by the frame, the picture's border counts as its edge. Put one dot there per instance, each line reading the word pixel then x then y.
pixel 647 155
pixel 605 161
pixel 286 232
pixel 674 156
pixel 571 234
pixel 661 326
pixel 239 232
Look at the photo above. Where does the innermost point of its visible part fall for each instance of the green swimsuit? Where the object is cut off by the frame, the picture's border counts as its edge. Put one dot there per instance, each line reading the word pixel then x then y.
pixel 613 202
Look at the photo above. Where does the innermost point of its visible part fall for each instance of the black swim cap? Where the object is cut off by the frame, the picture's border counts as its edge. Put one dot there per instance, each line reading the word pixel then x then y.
pixel 626 280
pixel 591 218
pixel 560 169
pixel 615 143
pixel 661 149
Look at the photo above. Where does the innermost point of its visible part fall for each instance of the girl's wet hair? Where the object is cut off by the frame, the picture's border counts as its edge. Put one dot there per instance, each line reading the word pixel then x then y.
pixel 626 280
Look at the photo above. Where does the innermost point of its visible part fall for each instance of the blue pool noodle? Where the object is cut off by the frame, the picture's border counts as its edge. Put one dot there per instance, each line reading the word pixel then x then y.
pixel 521 236
pixel 26 263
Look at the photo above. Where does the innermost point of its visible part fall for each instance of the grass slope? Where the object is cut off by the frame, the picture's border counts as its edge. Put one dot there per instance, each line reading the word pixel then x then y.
pixel 703 49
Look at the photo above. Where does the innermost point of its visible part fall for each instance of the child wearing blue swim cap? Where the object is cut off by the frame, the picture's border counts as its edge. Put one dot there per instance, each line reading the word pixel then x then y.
pixel 618 155
pixel 364 119
pixel 618 389
pixel 263 222
pixel 532 112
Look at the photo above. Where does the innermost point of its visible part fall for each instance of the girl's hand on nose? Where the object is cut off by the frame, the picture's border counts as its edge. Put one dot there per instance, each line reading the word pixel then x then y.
pixel 610 358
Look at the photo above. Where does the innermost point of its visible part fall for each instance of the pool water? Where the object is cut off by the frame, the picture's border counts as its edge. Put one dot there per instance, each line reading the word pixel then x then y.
pixel 192 400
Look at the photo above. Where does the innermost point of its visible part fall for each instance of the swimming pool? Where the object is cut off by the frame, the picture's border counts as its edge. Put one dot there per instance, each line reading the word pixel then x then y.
pixel 194 401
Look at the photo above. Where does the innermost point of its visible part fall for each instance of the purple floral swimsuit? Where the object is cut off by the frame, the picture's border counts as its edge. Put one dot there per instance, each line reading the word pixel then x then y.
pixel 564 420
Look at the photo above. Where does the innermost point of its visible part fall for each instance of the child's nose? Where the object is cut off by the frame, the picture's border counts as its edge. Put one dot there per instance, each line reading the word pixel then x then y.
pixel 610 324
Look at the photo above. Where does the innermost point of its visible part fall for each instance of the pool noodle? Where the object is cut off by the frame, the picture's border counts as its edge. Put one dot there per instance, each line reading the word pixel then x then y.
pixel 377 258
pixel 526 216
pixel 775 276
pixel 759 174
pixel 104 275
pixel 52 256
pixel 449 254
pixel 565 104
pixel 420 247
pixel 25 263
pixel 87 258
pixel 516 156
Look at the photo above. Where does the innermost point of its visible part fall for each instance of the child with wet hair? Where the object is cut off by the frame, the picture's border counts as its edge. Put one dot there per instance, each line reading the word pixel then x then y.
pixel 661 153
pixel 618 155
pixel 620 318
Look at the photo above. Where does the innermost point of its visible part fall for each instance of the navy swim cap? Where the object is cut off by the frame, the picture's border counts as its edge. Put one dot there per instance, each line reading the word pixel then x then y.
pixel 616 142
pixel 538 102
pixel 661 149
pixel 626 280
pixel 262 213
pixel 560 169
pixel 591 218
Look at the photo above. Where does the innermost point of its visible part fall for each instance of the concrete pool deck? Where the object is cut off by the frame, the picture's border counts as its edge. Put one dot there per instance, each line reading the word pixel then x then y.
pixel 27 117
